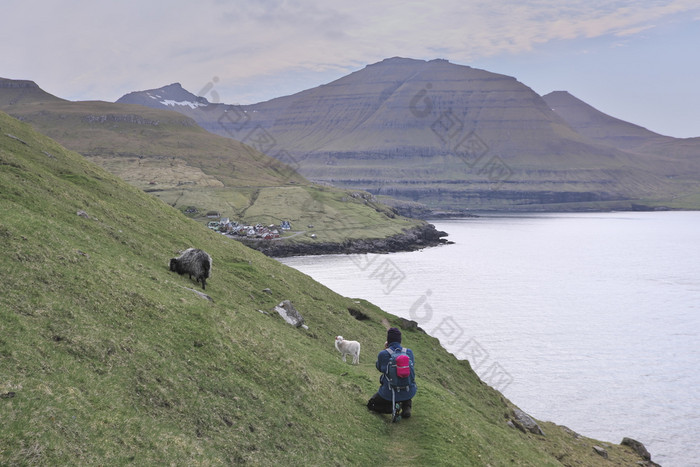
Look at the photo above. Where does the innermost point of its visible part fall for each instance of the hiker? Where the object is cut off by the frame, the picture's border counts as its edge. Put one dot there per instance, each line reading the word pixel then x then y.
pixel 397 400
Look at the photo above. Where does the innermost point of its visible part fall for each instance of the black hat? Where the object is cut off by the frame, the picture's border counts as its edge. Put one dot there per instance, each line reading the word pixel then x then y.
pixel 393 335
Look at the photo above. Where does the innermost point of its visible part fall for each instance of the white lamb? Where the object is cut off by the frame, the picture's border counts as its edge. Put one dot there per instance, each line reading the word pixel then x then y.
pixel 348 348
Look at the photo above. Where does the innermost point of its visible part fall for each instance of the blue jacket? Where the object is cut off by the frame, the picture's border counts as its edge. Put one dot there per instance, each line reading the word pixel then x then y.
pixel 384 390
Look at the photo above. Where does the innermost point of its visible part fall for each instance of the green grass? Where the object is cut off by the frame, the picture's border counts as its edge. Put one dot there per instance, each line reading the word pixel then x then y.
pixel 106 357
pixel 170 157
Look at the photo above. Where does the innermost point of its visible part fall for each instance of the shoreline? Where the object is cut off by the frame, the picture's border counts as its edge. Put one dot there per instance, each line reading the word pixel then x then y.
pixel 410 240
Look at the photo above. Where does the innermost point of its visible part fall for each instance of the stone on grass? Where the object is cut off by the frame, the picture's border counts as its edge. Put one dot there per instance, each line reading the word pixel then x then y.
pixel 290 314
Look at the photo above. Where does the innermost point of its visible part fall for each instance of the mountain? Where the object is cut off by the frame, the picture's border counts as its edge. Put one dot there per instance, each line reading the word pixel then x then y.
pixel 18 92
pixel 168 155
pixel 597 126
pixel 676 156
pixel 109 358
pixel 167 97
pixel 448 136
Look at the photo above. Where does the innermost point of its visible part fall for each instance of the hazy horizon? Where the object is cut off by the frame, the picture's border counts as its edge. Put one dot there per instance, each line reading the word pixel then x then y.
pixel 630 60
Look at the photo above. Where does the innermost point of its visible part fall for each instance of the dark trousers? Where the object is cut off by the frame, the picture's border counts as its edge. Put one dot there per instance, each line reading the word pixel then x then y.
pixel 378 404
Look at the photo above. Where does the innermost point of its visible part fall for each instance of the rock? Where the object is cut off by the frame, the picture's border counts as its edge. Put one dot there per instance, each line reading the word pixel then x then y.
pixel 267 290
pixel 526 423
pixel 290 314
pixel 199 294
pixel 410 325
pixel 600 451
pixel 571 432
pixel 636 447
pixel 16 138
pixel 84 214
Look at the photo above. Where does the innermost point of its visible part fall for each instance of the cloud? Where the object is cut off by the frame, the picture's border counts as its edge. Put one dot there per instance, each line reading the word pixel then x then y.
pixel 88 50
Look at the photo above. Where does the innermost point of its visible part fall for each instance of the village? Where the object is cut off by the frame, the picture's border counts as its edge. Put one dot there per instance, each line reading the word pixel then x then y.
pixel 259 231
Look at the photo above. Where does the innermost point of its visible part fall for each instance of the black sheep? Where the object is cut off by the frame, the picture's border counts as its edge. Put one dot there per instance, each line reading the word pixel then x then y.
pixel 194 262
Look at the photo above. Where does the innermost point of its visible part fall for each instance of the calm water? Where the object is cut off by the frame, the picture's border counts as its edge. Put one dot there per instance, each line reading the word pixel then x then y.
pixel 588 320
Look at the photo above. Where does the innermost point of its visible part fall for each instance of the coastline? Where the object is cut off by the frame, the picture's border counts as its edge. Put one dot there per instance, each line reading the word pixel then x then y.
pixel 414 239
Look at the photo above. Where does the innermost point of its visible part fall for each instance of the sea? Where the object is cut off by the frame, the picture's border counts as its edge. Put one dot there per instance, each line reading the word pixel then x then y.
pixel 588 320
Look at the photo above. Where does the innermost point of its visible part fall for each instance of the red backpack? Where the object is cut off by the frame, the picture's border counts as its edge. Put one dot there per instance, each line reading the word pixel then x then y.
pixel 399 371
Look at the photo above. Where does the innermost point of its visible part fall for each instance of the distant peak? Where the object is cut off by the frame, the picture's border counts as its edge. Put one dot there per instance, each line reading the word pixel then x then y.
pixel 395 61
pixel 560 94
pixel 406 61
pixel 174 86
pixel 17 83
pixel 171 95
pixel 560 97
pixel 417 64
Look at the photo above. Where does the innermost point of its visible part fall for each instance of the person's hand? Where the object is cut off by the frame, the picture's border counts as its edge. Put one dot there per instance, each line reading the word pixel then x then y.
pixel 386 344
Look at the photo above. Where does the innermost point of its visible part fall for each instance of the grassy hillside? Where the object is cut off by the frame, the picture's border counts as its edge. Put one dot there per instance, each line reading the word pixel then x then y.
pixel 106 357
pixel 171 157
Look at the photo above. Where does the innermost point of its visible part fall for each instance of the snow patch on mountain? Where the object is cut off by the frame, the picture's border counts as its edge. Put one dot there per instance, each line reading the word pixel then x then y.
pixel 173 103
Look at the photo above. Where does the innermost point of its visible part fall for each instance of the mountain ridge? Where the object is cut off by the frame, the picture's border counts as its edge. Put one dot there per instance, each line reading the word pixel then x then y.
pixel 448 136
pixel 614 132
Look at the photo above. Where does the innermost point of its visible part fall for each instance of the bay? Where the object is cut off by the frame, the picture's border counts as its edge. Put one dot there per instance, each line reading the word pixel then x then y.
pixel 588 320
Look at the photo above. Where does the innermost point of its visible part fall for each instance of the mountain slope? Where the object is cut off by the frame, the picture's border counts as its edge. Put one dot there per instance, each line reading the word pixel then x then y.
pixel 171 157
pixel 15 91
pixel 107 357
pixel 449 136
pixel 677 156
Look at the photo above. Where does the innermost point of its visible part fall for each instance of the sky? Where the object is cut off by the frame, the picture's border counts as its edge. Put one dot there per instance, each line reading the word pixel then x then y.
pixel 638 60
